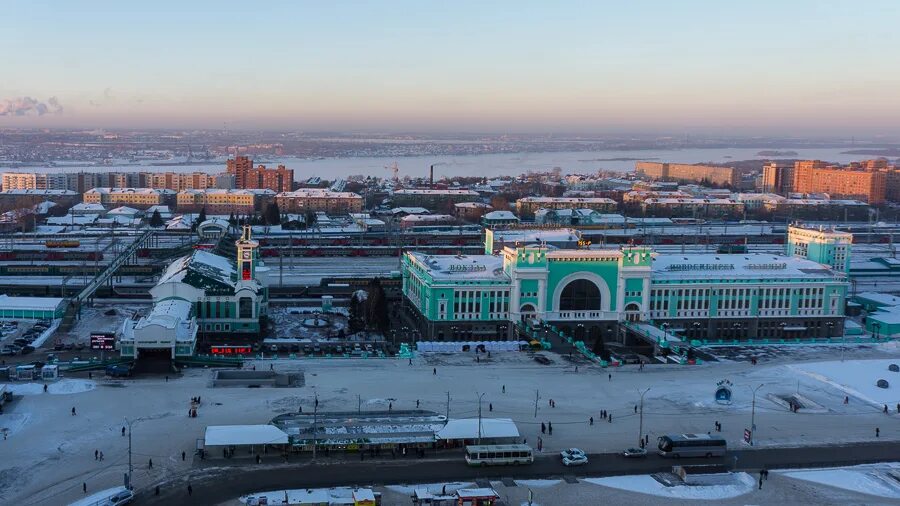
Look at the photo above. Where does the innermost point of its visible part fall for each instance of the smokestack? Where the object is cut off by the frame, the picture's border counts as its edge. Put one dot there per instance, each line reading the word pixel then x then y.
pixel 431 175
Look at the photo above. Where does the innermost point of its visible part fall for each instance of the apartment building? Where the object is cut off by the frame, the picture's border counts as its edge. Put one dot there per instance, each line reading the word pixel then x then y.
pixel 687 173
pixel 138 198
pixel 219 201
pixel 866 181
pixel 247 177
pixel 319 200
pixel 528 206
pixel 433 200
pixel 778 178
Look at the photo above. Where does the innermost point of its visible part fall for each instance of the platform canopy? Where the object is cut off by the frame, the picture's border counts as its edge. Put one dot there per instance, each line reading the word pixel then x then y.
pixel 244 435
pixel 491 428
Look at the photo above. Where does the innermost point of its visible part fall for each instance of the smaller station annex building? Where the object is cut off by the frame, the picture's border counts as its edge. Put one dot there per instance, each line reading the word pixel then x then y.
pixel 201 293
pixel 587 292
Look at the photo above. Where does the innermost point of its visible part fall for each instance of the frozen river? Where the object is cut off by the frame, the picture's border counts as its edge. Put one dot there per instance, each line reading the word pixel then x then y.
pixel 490 165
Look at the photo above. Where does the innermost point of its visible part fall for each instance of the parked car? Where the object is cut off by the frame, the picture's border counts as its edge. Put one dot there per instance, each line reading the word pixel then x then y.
pixel 339 349
pixel 542 360
pixel 273 348
pixel 307 349
pixel 295 347
pixel 69 346
pixel 575 460
pixel 634 453
pixel 27 349
pixel 59 347
pixel 7 350
pixel 571 452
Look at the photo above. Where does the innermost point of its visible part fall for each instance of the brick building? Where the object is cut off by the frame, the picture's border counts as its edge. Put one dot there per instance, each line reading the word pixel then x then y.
pixel 138 198
pixel 865 181
pixel 247 177
pixel 218 201
pixel 778 178
pixel 684 173
pixel 319 200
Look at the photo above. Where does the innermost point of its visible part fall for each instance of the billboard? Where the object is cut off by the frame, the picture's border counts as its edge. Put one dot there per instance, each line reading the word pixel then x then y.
pixel 104 341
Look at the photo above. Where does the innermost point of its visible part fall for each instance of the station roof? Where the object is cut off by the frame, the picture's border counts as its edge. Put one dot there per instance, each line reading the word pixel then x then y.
pixel 30 303
pixel 461 267
pixel 200 268
pixel 749 265
pixel 243 435
pixel 467 428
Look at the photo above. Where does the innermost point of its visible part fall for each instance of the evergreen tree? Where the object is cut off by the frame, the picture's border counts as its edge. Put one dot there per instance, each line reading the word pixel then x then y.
pixel 156 219
pixel 200 219
pixel 273 214
pixel 231 219
pixel 376 307
pixel 357 311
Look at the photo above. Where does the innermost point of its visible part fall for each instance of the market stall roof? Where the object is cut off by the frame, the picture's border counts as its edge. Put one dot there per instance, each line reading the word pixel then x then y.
pixel 468 429
pixel 237 435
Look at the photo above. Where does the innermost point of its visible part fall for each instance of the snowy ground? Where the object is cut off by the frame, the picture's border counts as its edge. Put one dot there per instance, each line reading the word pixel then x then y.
pixel 873 479
pixel 858 379
pixel 289 323
pixel 95 319
pixel 49 452
pixel 721 487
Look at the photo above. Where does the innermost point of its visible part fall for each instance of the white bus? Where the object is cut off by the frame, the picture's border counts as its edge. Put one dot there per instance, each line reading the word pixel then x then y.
pixel 692 445
pixel 499 455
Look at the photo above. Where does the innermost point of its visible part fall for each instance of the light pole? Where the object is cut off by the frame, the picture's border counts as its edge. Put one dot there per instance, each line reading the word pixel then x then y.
pixel 753 414
pixel 315 424
pixel 130 467
pixel 641 424
pixel 479 414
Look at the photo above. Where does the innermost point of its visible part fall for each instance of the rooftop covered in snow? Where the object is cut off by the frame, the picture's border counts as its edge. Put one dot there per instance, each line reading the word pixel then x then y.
pixel 744 266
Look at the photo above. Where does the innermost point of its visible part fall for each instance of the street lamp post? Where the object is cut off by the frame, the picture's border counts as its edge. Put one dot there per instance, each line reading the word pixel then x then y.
pixel 641 423
pixel 480 396
pixel 665 327
pixel 753 414
pixel 130 466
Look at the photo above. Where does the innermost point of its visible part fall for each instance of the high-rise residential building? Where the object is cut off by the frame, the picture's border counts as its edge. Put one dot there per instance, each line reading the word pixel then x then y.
pixel 687 173
pixel 247 177
pixel 856 181
pixel 827 247
pixel 778 178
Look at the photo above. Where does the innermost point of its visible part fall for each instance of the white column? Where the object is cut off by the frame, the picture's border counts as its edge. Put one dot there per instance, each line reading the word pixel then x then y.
pixel 514 303
pixel 542 297
pixel 645 300
pixel 620 298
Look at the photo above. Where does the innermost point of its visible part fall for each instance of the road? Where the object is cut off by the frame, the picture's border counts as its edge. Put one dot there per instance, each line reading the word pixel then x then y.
pixel 221 482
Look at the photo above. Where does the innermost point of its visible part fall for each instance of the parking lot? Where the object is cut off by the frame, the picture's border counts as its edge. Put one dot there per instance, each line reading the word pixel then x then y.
pixel 18 336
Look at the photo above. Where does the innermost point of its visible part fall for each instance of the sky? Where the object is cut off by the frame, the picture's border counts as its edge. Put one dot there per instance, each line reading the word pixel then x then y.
pixel 756 68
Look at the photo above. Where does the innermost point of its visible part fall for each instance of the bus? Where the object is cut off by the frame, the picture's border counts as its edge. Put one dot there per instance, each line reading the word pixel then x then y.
pixel 499 455
pixel 692 445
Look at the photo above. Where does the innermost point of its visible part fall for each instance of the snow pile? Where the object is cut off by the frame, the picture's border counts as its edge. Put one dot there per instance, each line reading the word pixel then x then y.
pixel 857 378
pixel 62 387
pixel 740 484
pixel 538 483
pixel 871 479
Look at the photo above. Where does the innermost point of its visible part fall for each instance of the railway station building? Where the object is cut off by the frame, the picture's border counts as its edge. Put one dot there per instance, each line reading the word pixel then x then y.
pixel 587 293
pixel 201 294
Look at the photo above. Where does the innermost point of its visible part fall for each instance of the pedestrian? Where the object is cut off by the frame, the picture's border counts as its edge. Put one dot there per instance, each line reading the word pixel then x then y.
pixel 635 409
pixel 885 409
pixel 45 388
pixel 760 482
pixel 898 407
pixel 417 403
pixel 271 367
pixel 549 428
pixel 490 406
pixel 156 491
pixel 84 487
pixel 641 368
pixel 73 411
pixel 646 438
pixel 543 428
pixel 90 375
pixel 504 391
pixel 123 431
pixel 877 432
pixel 390 406
pixel 592 420
pixel 610 376
pixel 257 458
pixel 765 473
pixel 150 464
pixel 190 490
pixel 167 378
pixel 846 399
pixel 101 456
pixel 434 371
pixel 183 455
pixel 96 454
pixel 609 418
pixel 576 368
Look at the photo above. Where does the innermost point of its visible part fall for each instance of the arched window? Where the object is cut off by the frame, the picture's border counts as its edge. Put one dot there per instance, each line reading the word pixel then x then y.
pixel 580 295
pixel 245 307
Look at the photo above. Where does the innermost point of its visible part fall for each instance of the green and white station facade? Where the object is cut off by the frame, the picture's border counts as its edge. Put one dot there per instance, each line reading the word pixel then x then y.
pixel 588 292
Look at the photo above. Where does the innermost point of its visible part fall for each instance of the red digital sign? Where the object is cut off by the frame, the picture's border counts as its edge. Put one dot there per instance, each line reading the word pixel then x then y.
pixel 231 350
pixel 103 341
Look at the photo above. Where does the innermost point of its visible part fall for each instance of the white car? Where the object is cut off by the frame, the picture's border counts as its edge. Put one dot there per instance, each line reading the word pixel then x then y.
pixel 571 452
pixel 575 460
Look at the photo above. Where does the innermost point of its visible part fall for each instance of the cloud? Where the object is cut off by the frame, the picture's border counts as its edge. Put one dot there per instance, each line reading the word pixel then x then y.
pixel 23 106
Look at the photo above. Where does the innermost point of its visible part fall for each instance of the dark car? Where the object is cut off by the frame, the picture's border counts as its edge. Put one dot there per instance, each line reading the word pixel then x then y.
pixel 27 349
pixel 295 347
pixel 542 360
pixel 59 347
